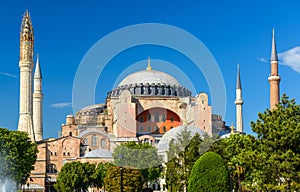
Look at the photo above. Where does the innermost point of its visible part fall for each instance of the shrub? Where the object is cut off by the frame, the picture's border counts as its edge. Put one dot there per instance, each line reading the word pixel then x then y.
pixel 209 173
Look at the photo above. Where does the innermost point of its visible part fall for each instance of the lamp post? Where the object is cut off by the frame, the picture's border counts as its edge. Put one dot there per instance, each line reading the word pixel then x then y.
pixel 121 157
pixel 48 182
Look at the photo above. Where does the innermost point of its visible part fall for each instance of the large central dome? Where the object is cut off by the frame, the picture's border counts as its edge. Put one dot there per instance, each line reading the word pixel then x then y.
pixel 150 83
pixel 149 76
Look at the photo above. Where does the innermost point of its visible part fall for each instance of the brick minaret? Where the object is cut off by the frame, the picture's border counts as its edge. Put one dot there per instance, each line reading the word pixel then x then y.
pixel 274 78
pixel 26 66
pixel 239 103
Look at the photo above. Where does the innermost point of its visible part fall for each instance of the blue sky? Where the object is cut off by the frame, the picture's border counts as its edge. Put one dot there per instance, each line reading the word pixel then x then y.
pixel 233 31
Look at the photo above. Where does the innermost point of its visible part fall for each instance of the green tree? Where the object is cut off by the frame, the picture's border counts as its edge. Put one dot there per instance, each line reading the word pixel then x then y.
pixel 277 165
pixel 99 174
pixel 75 176
pixel 139 156
pixel 182 154
pixel 131 179
pixel 209 173
pixel 17 155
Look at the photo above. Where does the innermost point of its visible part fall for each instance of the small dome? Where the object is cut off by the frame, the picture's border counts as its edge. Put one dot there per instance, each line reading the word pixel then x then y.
pixel 70 116
pixel 149 76
pixel 99 153
pixel 163 144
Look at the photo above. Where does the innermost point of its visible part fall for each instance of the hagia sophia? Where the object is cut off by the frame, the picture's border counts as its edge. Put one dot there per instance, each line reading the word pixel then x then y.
pixel 143 107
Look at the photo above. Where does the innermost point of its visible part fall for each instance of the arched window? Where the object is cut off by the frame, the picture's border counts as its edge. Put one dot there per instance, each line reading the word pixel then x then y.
pixel 149 117
pixel 172 119
pixel 51 168
pixel 141 129
pixel 141 119
pixel 70 133
pixel 164 129
pixel 94 140
pixel 103 143
pixel 149 129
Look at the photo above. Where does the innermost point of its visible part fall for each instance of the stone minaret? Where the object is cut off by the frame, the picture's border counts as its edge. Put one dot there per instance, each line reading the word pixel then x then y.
pixel 239 103
pixel 26 66
pixel 38 103
pixel 274 78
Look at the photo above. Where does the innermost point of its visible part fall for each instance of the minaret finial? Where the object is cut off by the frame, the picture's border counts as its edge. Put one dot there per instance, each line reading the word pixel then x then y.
pixel 274 56
pixel 232 128
pixel 238 79
pixel 149 64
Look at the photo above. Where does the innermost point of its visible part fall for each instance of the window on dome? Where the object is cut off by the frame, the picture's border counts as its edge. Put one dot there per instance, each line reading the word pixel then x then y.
pixel 163 117
pixel 156 117
pixel 141 129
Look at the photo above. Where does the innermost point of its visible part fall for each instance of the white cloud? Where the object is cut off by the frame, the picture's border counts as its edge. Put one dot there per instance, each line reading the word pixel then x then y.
pixel 263 59
pixel 291 58
pixel 9 75
pixel 61 105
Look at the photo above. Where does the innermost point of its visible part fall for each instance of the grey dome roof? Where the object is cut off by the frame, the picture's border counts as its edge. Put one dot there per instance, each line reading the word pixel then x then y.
pixel 99 153
pixel 163 144
pixel 149 76
pixel 70 116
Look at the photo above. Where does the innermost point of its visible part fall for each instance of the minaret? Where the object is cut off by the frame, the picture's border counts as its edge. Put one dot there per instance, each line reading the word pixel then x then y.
pixel 26 66
pixel 38 102
pixel 239 103
pixel 274 78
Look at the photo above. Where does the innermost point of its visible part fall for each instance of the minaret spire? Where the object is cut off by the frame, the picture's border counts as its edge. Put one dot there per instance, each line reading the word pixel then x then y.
pixel 26 65
pixel 274 56
pixel 38 102
pixel 274 78
pixel 239 102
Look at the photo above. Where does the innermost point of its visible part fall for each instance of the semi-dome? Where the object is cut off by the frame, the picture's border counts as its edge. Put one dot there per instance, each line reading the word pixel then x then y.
pixel 163 144
pixel 98 153
pixel 150 77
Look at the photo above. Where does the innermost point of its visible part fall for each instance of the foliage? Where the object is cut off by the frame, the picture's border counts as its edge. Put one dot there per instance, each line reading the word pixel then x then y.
pixel 139 156
pixel 182 154
pixel 75 176
pixel 99 174
pixel 131 179
pixel 272 160
pixel 238 151
pixel 277 165
pixel 17 155
pixel 209 173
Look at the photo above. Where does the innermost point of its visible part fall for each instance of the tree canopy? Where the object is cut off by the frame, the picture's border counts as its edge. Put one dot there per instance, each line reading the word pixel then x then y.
pixel 277 165
pixel 75 176
pixel 209 173
pixel 17 155
pixel 270 161
pixel 131 179
pixel 140 156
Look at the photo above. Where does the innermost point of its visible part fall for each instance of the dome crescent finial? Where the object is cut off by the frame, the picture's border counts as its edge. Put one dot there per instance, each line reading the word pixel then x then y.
pixel 149 64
